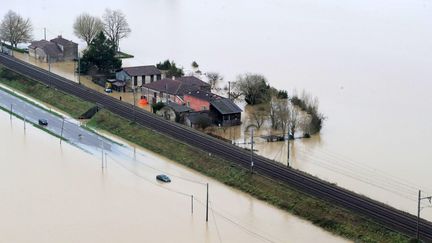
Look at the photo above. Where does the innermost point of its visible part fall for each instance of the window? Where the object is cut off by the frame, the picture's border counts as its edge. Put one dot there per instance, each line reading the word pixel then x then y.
pixel 203 108
pixel 135 79
pixel 188 104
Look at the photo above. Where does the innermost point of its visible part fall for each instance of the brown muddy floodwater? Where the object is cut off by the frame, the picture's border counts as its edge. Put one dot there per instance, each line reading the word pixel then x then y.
pixel 53 193
pixel 368 62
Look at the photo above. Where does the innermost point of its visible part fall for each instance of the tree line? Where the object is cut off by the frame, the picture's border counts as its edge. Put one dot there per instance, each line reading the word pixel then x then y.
pixel 288 114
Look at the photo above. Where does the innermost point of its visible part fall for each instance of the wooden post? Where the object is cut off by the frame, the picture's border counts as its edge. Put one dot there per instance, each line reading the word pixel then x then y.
pixel 61 133
pixel 207 202
pixel 192 204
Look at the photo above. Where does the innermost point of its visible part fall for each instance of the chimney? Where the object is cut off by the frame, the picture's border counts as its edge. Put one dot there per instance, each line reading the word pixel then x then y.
pixel 60 36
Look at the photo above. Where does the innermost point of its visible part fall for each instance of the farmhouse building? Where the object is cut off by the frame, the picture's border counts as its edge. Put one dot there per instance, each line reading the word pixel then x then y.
pixel 55 50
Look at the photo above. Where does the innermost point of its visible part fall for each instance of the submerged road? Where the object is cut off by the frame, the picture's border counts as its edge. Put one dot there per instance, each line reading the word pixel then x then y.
pixel 383 214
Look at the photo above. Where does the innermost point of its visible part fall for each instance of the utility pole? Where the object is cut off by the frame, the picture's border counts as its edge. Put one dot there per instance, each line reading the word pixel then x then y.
pixel 134 104
pixel 207 202
pixel 192 204
pixel 61 133
pixel 11 110
pixel 49 63
pixel 44 33
pixel 106 160
pixel 288 148
pixel 24 124
pixel 79 68
pixel 418 212
pixel 229 89
pixel 102 153
pixel 251 157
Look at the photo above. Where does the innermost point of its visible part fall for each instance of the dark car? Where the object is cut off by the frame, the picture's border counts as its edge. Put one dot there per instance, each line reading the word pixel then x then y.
pixel 163 178
pixel 43 122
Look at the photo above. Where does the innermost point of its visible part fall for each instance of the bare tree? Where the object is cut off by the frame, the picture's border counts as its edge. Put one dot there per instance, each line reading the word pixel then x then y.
pixel 15 28
pixel 305 123
pixel 259 114
pixel 214 79
pixel 86 27
pixel 294 118
pixel 273 113
pixel 284 115
pixel 115 26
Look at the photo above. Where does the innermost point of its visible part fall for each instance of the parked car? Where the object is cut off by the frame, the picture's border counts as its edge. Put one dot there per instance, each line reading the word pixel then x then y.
pixel 163 178
pixel 108 90
pixel 43 122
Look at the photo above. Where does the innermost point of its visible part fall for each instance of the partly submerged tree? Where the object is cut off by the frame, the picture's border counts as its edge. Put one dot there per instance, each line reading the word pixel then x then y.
pixel 284 115
pixel 87 27
pixel 116 26
pixel 254 87
pixel 170 68
pixel 101 53
pixel 214 79
pixel 259 114
pixel 15 29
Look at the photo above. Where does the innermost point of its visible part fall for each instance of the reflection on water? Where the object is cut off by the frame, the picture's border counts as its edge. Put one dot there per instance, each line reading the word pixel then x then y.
pixel 66 197
pixel 366 61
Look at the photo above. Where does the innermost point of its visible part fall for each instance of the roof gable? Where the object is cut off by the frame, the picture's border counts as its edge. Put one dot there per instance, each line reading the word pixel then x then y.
pixel 142 70
pixel 192 80
pixel 62 41
pixel 225 106
pixel 40 44
pixel 203 95
pixel 170 86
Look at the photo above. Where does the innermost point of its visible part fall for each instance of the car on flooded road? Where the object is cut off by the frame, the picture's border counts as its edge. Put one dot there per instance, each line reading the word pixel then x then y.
pixel 43 122
pixel 163 178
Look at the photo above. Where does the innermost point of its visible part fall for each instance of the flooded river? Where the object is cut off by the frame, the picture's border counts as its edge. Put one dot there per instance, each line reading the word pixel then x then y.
pixel 368 62
pixel 59 193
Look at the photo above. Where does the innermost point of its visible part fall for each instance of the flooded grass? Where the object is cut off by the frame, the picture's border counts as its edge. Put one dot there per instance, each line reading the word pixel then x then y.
pixel 319 212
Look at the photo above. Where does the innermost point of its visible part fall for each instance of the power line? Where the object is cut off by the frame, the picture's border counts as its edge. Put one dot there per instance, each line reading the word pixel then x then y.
pixel 146 179
pixel 349 174
pixel 374 173
pixel 250 232
pixel 217 229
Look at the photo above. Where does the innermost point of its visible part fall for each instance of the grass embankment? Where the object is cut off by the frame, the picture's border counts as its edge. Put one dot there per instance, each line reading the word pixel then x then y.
pixel 34 124
pixel 20 50
pixel 65 102
pixel 319 212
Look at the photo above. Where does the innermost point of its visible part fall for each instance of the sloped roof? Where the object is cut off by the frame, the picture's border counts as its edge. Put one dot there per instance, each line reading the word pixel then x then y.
pixel 36 44
pixel 203 95
pixel 178 108
pixel 52 49
pixel 192 80
pixel 174 87
pixel 142 70
pixel 62 41
pixel 225 106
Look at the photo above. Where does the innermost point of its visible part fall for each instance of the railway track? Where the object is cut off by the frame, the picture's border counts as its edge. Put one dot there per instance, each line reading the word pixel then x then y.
pixel 381 213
